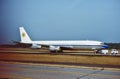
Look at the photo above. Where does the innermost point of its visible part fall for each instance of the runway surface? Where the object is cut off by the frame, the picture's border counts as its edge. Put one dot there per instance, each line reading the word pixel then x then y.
pixel 36 71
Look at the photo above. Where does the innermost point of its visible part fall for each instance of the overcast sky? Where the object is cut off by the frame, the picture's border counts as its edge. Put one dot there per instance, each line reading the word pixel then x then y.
pixel 60 19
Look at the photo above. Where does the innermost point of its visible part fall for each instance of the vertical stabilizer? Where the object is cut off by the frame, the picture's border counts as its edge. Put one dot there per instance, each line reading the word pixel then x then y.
pixel 24 36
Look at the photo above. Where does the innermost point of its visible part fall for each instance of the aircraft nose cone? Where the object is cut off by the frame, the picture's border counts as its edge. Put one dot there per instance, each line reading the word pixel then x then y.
pixel 105 46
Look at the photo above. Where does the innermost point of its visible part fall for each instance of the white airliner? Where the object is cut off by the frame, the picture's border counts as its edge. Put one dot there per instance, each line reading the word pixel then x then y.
pixel 60 45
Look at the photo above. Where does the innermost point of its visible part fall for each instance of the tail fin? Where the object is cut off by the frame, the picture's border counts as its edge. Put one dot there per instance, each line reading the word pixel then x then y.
pixel 24 36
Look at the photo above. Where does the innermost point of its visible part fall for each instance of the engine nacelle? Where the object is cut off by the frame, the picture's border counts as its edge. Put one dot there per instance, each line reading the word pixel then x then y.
pixel 36 46
pixel 54 48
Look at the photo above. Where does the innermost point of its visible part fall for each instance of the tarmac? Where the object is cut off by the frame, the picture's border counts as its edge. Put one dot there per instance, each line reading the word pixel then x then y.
pixel 13 70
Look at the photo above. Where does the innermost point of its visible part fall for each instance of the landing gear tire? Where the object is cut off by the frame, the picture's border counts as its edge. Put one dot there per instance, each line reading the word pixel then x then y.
pixel 56 51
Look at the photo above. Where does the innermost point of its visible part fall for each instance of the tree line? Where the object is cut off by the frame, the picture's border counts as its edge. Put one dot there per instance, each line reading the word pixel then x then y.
pixel 113 45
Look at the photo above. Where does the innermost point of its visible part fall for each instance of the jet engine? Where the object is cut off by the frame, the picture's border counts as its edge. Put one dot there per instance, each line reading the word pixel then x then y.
pixel 54 48
pixel 37 46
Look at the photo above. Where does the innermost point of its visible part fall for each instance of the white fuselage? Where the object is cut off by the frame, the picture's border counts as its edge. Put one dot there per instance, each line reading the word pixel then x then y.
pixel 71 44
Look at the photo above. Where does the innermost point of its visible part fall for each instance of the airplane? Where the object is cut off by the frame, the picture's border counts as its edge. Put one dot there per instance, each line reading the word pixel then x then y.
pixel 61 44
